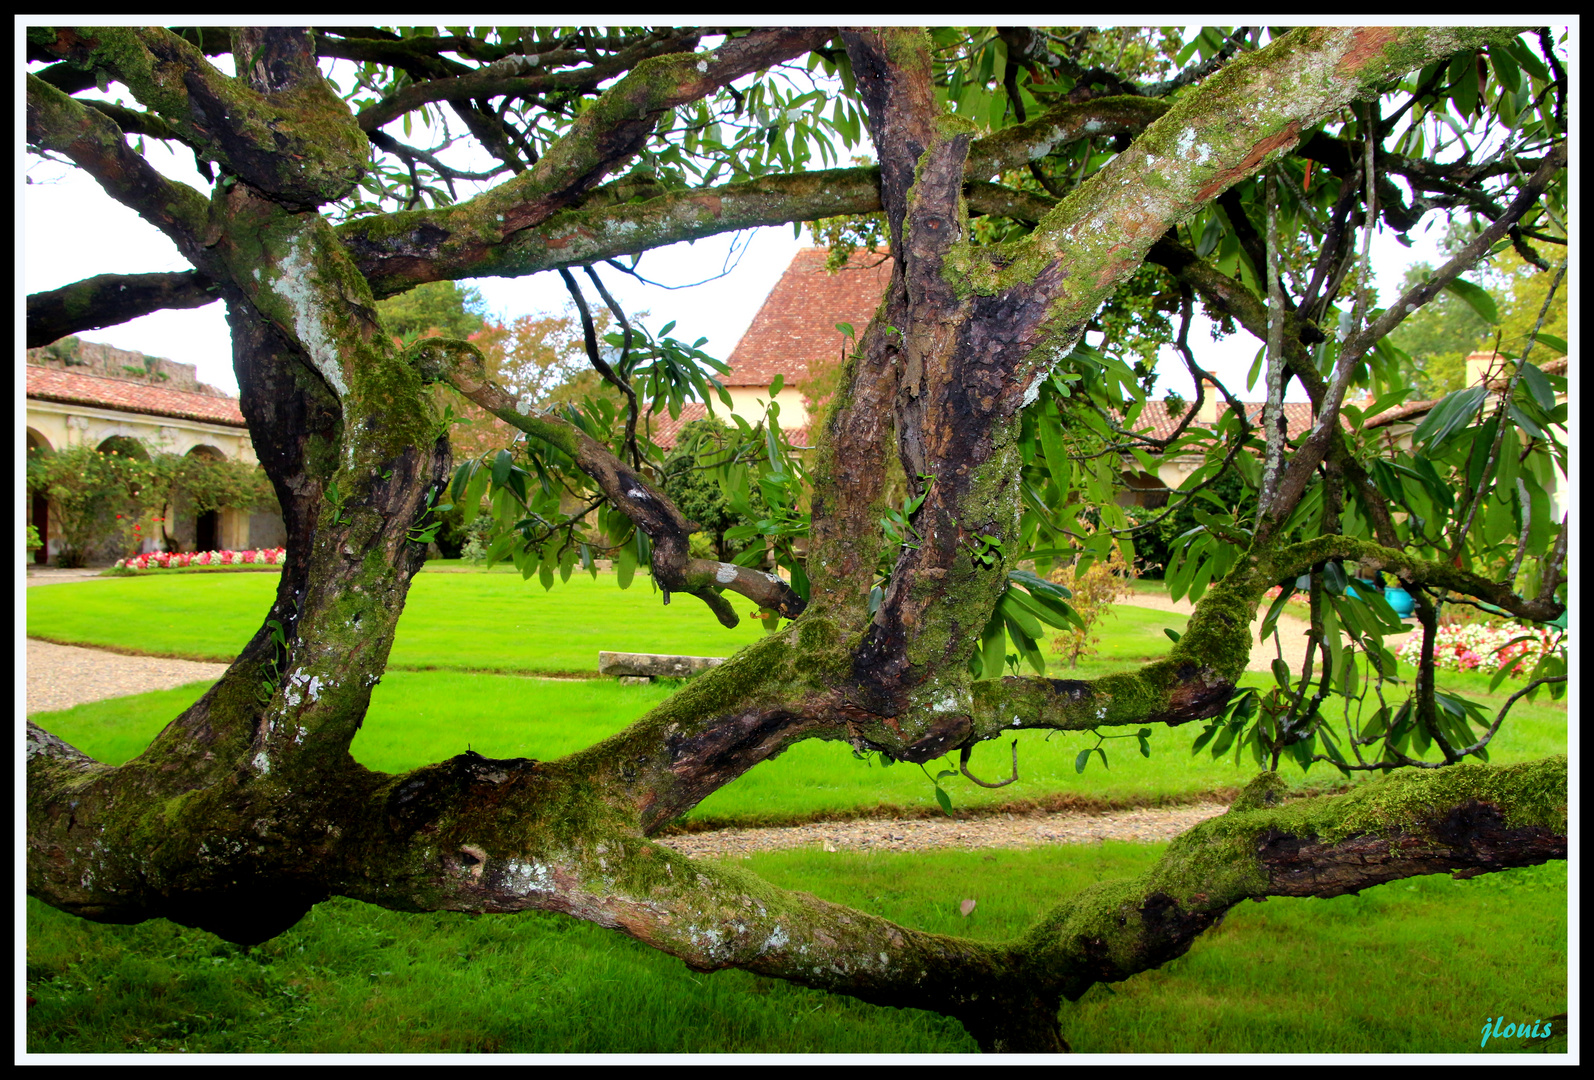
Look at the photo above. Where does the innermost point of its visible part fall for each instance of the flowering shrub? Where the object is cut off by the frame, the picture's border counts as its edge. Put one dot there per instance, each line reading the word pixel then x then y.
pixel 1467 648
pixel 165 560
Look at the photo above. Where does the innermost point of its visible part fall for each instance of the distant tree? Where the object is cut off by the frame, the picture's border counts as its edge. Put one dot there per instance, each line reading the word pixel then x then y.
pixel 1441 336
pixel 87 489
pixel 435 309
pixel 689 480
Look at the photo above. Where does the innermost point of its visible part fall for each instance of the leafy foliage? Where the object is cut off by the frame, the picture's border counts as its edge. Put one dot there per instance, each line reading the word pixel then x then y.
pixel 1092 593
pixel 701 449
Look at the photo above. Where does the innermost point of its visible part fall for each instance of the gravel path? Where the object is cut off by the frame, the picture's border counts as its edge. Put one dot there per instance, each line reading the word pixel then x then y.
pixel 61 676
pixel 1146 826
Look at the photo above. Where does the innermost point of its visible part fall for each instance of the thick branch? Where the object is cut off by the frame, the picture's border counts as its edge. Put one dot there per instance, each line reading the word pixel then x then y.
pixel 96 145
pixel 278 125
pixel 108 299
pixel 1466 819
pixel 1011 147
pixel 673 568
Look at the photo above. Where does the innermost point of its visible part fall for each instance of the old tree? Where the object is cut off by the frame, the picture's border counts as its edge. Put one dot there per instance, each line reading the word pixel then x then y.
pixel 1033 184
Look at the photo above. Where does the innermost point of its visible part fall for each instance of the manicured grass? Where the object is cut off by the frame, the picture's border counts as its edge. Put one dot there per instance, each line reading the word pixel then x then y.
pixel 421 717
pixel 457 621
pixel 1288 976
pixel 1413 966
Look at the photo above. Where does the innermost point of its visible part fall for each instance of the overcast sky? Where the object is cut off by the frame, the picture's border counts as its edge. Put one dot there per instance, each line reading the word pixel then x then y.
pixel 71 231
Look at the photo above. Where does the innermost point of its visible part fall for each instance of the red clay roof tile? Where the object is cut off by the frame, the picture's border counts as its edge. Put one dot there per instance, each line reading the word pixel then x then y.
pixel 797 323
pixel 75 388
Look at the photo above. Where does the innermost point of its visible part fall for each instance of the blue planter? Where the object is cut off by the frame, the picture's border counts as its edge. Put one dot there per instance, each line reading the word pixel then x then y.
pixel 1399 599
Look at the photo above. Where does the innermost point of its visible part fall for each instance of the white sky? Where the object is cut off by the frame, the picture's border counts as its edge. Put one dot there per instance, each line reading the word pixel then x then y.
pixel 70 230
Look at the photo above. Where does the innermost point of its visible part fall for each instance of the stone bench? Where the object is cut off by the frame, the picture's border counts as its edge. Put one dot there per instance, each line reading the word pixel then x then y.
pixel 644 667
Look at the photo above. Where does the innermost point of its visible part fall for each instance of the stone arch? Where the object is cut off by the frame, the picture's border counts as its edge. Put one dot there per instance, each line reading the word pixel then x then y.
pixel 125 445
pixel 209 524
pixel 38 502
pixel 1142 489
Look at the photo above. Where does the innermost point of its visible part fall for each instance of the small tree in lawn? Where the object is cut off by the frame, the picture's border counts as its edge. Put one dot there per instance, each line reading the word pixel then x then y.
pixel 1094 590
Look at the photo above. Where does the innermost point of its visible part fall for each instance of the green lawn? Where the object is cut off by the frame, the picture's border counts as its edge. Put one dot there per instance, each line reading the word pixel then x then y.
pixel 1286 976
pixel 458 621
pixel 1410 967
pixel 422 716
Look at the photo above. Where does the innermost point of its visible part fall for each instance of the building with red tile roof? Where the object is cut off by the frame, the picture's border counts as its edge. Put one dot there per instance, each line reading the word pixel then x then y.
pixel 68 387
pixel 83 393
pixel 794 335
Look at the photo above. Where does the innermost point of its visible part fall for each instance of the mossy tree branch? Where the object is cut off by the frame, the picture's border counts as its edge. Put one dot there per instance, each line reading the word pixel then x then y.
pixel 278 126
pixel 460 364
pixel 93 142
pixel 512 76
pixel 939 379
pixel 108 299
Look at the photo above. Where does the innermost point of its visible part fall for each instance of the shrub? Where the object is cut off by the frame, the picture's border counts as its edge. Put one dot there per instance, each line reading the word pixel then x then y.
pixel 474 549
pixel 84 486
pixel 1093 594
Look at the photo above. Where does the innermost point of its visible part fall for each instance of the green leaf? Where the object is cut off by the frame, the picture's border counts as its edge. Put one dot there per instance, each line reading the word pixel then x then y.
pixel 1270 620
pixel 500 547
pixel 1224 741
pixel 1080 760
pixel 1505 68
pixel 1049 427
pixel 1538 386
pixel 993 647
pixel 1556 343
pixel 501 466
pixel 1476 298
pixel 625 565
pixel 1256 368
pixel 1334 578
pixel 1039 586
pixel 1013 608
pixel 1281 674
pixel 944 799
pixel 1173 635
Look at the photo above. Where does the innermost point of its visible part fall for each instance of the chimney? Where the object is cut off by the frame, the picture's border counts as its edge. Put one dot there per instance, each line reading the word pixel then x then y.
pixel 1209 404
